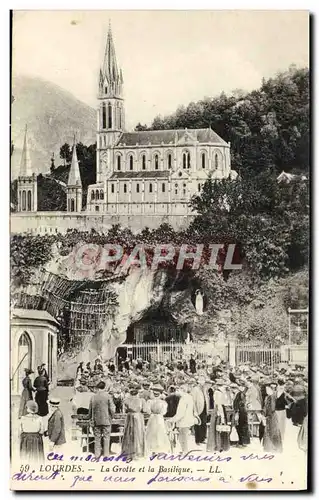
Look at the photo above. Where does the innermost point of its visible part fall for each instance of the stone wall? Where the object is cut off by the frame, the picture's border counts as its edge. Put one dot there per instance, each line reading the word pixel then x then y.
pixel 59 222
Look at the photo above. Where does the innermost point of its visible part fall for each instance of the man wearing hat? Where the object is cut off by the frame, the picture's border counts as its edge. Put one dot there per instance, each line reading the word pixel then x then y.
pixel 201 402
pixel 101 412
pixel 56 429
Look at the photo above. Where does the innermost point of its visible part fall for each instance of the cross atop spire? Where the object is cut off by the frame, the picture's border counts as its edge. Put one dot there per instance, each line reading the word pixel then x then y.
pixel 74 174
pixel 25 165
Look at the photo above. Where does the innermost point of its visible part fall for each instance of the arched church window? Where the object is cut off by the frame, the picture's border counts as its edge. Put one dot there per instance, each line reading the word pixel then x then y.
pixel 29 201
pixel 163 187
pixel 176 188
pixel 103 115
pixel 112 188
pixel 101 194
pixel 151 188
pixel 143 162
pixel 156 162
pixel 72 205
pixel 24 201
pixel 105 90
pixel 120 117
pixel 131 162
pixel 186 159
pixel 216 161
pixel 137 188
pixel 169 160
pixel 199 187
pixel 109 115
pixel 97 194
pixel 92 195
pixel 124 188
pixel 203 160
pixel 184 189
pixel 118 162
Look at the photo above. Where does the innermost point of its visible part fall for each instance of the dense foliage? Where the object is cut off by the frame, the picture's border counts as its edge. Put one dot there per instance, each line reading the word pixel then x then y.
pixel 268 127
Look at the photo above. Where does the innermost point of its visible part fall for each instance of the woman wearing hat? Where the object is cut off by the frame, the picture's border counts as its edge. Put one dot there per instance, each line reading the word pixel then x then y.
pixel 41 396
pixel 272 438
pixel 26 393
pixel 156 431
pixel 31 441
pixel 133 443
pixel 217 438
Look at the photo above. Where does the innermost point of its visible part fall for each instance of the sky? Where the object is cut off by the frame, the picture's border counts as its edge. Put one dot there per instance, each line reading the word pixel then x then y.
pixel 168 58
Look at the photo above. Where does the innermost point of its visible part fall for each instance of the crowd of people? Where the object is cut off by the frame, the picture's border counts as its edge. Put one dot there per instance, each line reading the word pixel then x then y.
pixel 219 406
pixel 145 406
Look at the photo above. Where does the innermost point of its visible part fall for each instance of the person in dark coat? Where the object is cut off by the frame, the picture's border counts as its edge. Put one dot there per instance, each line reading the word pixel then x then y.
pixel 101 412
pixel 44 372
pixel 80 369
pixel 241 416
pixel 56 430
pixel 172 401
pixel 111 366
pixel 41 396
pixel 26 393
pixel 192 364
pixel 299 407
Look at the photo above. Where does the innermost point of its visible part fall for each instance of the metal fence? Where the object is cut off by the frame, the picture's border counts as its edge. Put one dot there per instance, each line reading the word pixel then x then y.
pixel 258 355
pixel 172 351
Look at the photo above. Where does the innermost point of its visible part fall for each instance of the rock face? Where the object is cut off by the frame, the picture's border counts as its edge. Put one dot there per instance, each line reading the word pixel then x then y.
pixel 53 116
pixel 138 293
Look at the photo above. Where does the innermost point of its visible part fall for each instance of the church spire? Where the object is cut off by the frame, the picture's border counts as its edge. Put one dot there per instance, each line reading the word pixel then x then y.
pixel 25 165
pixel 110 69
pixel 74 174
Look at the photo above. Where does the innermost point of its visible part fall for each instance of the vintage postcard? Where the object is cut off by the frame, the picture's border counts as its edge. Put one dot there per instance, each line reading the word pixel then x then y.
pixel 159 250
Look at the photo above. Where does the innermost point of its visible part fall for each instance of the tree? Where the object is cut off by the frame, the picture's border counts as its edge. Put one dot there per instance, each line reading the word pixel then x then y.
pixel 139 127
pixel 268 127
pixel 66 153
pixel 52 166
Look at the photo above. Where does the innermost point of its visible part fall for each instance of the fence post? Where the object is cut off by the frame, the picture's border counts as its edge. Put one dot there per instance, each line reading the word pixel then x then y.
pixel 232 351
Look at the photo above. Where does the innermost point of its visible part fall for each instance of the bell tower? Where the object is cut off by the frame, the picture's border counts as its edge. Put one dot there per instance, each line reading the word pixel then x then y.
pixel 110 112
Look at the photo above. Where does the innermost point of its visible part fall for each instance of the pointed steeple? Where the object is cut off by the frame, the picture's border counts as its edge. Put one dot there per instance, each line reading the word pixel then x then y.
pixel 74 174
pixel 25 165
pixel 110 69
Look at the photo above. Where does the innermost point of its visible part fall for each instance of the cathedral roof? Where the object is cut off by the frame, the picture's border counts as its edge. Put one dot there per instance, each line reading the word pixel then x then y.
pixel 144 174
pixel 74 173
pixel 158 137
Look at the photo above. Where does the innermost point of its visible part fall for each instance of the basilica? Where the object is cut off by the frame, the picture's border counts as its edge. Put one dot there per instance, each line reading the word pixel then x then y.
pixel 147 172
pixel 143 178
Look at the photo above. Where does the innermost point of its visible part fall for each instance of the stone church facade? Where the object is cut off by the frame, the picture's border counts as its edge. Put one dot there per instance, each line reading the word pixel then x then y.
pixel 148 172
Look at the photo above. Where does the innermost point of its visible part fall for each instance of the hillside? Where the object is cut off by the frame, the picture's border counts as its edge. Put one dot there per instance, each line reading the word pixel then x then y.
pixel 53 116
pixel 267 128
